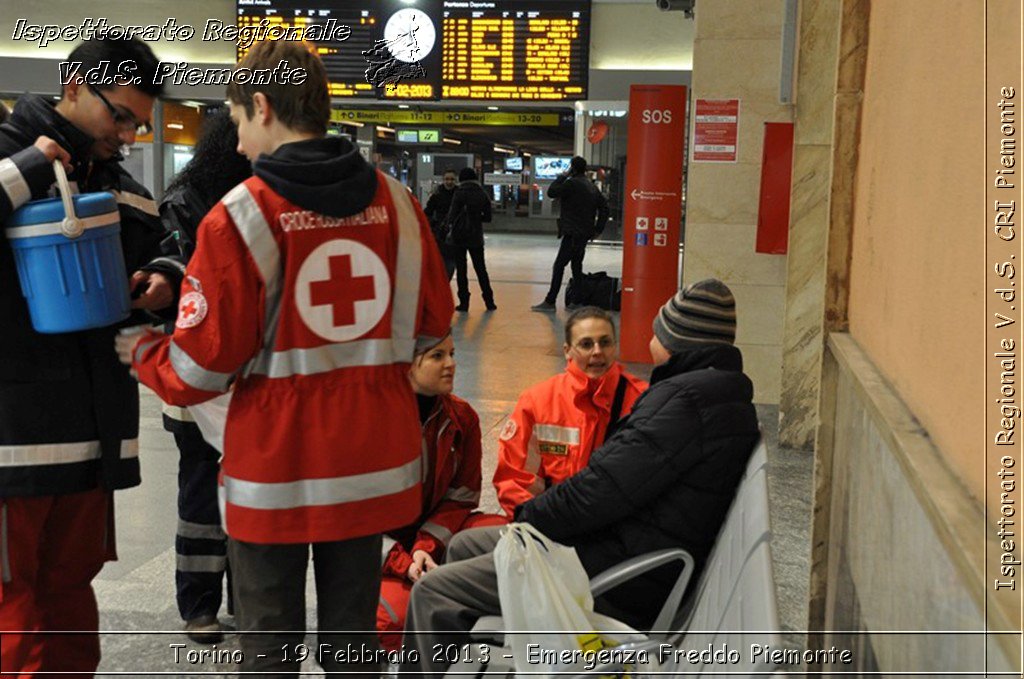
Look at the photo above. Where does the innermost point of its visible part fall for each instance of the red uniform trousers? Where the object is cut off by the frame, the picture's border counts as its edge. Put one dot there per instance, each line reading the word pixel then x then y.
pixel 56 545
pixel 394 591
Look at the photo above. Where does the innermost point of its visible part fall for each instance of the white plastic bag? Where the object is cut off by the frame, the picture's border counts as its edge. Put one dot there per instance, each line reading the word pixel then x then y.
pixel 547 607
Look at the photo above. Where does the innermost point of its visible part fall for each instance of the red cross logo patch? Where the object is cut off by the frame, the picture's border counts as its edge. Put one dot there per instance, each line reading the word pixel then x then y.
pixel 343 290
pixel 191 310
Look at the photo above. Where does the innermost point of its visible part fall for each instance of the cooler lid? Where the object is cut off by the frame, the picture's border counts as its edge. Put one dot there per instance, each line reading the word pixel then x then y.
pixel 52 209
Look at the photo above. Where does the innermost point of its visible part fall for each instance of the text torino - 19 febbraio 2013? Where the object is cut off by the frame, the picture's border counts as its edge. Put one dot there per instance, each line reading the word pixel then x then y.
pixel 296 654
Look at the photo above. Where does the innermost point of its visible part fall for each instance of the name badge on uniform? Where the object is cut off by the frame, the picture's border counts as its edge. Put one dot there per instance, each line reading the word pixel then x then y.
pixel 549 448
pixel 554 439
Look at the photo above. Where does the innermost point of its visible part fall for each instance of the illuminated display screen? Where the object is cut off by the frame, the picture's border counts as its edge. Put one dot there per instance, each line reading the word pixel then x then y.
pixel 515 50
pixel 514 164
pixel 549 167
pixel 507 50
pixel 409 31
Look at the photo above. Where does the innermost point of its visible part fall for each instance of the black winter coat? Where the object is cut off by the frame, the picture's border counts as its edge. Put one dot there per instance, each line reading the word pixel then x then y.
pixel 665 479
pixel 470 196
pixel 438 205
pixel 584 210
pixel 69 410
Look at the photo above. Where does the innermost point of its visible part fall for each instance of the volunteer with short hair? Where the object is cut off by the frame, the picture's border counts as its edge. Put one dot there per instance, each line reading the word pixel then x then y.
pixel 311 286
pixel 557 424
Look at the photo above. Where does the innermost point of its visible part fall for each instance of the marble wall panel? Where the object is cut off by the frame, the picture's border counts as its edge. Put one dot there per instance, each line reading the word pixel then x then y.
pixel 727 252
pixel 722 193
pixel 742 67
pixel 740 19
pixel 763 364
pixel 888 541
pixel 816 71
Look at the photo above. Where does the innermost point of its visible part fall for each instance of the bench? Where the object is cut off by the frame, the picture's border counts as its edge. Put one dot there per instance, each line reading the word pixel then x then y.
pixel 733 602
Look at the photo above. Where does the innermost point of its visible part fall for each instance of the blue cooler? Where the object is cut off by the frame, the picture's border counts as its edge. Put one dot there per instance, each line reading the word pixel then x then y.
pixel 69 260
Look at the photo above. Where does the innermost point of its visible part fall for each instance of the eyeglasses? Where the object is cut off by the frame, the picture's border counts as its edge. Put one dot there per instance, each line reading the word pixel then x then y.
pixel 587 344
pixel 124 121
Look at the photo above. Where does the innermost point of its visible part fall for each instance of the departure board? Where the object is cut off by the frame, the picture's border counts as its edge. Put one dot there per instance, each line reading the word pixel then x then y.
pixel 515 50
pixel 495 50
pixel 383 28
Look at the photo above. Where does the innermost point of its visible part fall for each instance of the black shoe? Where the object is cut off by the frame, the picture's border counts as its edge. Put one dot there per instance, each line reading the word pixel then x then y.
pixel 491 306
pixel 543 306
pixel 463 307
pixel 205 629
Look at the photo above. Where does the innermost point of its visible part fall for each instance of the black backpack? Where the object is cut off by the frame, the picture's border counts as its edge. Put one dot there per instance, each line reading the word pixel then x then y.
pixel 595 289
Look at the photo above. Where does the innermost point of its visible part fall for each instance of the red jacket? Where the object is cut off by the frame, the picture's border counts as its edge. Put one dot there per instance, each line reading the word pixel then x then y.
pixel 312 321
pixel 552 431
pixel 451 447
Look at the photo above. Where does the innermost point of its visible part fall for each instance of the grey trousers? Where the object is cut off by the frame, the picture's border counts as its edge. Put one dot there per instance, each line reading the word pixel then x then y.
pixel 269 583
pixel 447 601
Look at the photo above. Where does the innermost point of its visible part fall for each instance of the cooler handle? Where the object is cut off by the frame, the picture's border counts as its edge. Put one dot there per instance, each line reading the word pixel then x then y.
pixel 71 226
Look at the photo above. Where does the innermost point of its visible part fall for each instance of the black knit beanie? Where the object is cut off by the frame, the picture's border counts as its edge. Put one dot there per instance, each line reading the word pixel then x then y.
pixel 701 313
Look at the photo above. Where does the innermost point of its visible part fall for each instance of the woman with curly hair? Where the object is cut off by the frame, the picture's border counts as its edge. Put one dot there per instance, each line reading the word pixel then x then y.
pixel 201 546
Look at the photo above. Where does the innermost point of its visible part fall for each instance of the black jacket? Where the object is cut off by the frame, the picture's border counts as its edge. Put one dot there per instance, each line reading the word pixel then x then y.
pixel 470 196
pixel 438 205
pixel 584 208
pixel 665 478
pixel 69 411
pixel 181 210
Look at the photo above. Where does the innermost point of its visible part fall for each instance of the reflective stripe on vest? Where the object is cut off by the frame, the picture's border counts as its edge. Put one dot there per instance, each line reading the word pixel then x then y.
pixel 195 375
pixel 385 549
pixel 13 183
pixel 321 492
pixel 327 358
pixel 259 238
pixel 557 434
pixel 60 453
pixel 462 494
pixel 438 531
pixel 140 203
pixel 406 297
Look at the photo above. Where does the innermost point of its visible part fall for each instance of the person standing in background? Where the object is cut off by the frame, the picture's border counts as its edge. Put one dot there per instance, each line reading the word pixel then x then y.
pixel 583 216
pixel 200 545
pixel 470 209
pixel 438 204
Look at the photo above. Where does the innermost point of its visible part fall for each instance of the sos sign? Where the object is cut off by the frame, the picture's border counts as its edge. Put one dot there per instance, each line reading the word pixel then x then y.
pixel 656 116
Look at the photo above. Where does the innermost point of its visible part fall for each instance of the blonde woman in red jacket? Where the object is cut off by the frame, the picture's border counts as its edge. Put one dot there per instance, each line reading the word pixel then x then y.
pixel 451 460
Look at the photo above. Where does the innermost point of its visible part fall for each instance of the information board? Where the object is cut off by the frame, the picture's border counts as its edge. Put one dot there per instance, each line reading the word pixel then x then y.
pixel 515 50
pixel 395 35
pixel 494 50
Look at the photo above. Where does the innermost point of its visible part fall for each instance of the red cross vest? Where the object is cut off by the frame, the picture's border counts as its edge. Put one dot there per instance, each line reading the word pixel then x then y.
pixel 310 322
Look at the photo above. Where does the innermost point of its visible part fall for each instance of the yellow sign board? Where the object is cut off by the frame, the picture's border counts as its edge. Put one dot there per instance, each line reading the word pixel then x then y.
pixel 408 116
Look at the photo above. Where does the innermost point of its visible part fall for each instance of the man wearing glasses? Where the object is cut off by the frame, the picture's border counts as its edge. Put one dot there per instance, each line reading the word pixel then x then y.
pixel 69 411
pixel 557 424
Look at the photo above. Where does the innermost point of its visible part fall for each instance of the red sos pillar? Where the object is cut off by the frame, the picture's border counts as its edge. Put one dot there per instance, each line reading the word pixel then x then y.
pixel 651 214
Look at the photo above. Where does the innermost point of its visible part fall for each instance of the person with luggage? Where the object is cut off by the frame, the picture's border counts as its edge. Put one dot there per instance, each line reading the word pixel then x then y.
pixel 665 479
pixel 200 546
pixel 312 285
pixel 470 209
pixel 452 458
pixel 558 423
pixel 436 210
pixel 69 411
pixel 583 216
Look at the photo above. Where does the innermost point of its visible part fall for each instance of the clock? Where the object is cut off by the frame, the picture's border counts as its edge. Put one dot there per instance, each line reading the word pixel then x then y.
pixel 410 35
